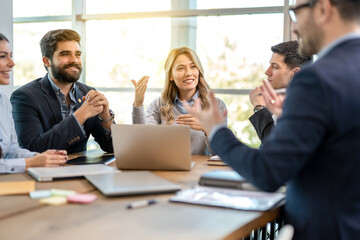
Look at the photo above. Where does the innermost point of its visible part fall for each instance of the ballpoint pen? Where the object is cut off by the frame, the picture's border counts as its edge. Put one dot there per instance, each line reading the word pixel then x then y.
pixel 141 203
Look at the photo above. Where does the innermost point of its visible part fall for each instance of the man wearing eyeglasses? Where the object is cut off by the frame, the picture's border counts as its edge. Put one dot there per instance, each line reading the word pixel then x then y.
pixel 314 148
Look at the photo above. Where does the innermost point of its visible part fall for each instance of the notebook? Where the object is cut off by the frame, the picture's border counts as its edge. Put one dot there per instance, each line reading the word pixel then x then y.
pixel 225 179
pixel 215 161
pixel 131 183
pixel 230 198
pixel 151 147
pixel 105 158
pixel 44 174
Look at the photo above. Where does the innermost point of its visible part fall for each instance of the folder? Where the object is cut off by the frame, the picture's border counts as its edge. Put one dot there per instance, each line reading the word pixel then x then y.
pixel 230 198
pixel 20 187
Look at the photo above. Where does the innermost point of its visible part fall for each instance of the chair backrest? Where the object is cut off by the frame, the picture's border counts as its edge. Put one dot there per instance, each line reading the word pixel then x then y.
pixel 286 232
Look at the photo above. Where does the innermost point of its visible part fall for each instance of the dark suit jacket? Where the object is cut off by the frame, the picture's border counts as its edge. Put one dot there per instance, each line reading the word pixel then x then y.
pixel 263 123
pixel 314 148
pixel 39 124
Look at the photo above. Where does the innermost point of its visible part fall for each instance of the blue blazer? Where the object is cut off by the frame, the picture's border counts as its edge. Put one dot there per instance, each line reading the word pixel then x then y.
pixel 313 149
pixel 39 124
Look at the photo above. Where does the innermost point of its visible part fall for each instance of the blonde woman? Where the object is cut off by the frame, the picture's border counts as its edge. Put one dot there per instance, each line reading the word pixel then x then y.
pixel 184 81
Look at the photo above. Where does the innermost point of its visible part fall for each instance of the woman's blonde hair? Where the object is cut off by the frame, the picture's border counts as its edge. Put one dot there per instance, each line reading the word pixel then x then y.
pixel 170 89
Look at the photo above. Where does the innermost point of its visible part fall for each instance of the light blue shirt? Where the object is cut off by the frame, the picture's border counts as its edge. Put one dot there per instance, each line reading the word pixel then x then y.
pixel 65 110
pixel 191 102
pixel 13 160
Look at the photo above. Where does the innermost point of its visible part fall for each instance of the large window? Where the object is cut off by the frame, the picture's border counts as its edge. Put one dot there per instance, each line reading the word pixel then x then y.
pixel 27 52
pixel 124 40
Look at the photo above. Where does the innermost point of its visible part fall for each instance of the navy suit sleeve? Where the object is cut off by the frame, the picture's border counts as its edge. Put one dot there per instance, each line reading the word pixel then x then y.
pixel 37 129
pixel 263 123
pixel 102 136
pixel 297 136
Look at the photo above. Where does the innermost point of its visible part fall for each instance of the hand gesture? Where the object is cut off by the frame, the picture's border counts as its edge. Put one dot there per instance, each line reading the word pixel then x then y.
pixel 140 89
pixel 273 101
pixel 93 105
pixel 191 121
pixel 49 158
pixel 207 118
pixel 98 99
pixel 256 98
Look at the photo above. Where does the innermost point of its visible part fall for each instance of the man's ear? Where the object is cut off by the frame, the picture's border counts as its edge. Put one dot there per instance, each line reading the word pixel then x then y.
pixel 294 70
pixel 46 61
pixel 323 11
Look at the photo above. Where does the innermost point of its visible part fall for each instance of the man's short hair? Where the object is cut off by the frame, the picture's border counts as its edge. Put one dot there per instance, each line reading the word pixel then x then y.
pixel 49 42
pixel 289 50
pixel 348 9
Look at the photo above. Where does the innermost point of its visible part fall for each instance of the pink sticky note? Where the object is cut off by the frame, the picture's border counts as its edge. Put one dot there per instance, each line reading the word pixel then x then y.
pixel 81 198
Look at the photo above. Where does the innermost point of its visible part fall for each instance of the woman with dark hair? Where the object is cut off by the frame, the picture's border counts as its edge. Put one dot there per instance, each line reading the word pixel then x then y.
pixel 184 81
pixel 13 158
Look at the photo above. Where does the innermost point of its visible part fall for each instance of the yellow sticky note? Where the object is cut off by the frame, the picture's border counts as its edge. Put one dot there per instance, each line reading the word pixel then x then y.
pixel 20 187
pixel 55 200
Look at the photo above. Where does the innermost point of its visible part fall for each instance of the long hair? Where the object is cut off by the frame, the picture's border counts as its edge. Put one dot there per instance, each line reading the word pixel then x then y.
pixel 2 37
pixel 170 89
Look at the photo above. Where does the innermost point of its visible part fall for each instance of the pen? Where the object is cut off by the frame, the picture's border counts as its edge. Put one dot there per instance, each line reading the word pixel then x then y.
pixel 141 203
pixel 72 157
pixel 278 91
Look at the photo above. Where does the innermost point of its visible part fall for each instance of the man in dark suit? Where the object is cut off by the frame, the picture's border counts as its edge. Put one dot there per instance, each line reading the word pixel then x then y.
pixel 314 148
pixel 56 111
pixel 284 63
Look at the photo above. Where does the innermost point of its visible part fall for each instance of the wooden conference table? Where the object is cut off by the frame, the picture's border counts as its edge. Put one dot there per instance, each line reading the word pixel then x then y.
pixel 108 218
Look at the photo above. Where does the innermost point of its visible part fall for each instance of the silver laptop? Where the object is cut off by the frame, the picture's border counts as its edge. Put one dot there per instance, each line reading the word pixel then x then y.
pixel 151 147
pixel 131 183
pixel 45 174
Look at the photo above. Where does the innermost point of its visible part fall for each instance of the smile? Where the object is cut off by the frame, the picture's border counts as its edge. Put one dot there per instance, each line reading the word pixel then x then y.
pixel 5 73
pixel 73 68
pixel 189 81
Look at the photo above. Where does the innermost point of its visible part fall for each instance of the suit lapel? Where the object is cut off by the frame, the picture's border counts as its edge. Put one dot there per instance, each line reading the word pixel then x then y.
pixel 50 97
pixel 78 95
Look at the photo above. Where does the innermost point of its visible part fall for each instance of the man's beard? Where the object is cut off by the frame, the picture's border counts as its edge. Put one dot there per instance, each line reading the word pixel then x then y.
pixel 308 48
pixel 310 44
pixel 61 75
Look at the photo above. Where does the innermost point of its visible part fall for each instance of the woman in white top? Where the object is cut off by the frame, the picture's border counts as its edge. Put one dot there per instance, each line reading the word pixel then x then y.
pixel 13 158
pixel 184 81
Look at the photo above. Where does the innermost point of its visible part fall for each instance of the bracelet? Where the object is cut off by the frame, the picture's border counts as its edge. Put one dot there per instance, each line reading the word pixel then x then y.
pixel 111 118
pixel 258 108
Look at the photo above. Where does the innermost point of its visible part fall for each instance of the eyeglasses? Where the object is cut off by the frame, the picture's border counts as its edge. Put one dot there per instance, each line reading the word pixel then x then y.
pixel 292 11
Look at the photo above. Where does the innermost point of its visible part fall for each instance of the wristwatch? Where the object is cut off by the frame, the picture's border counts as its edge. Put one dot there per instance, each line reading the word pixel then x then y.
pixel 111 118
pixel 258 108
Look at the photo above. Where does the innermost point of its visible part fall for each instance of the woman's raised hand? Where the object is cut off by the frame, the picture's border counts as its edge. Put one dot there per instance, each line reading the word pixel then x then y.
pixel 140 89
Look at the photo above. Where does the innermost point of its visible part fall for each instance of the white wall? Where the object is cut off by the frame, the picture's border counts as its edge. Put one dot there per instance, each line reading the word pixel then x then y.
pixel 6 28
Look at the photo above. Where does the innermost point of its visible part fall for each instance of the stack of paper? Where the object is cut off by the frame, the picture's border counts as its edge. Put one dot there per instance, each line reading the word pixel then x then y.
pixel 230 198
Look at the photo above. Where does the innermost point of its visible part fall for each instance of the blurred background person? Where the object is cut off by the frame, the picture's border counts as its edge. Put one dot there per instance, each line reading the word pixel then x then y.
pixel 285 62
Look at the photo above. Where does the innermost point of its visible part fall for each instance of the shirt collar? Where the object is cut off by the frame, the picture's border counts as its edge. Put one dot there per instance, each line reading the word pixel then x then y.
pixel 325 50
pixel 57 89
pixel 192 99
